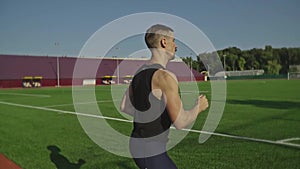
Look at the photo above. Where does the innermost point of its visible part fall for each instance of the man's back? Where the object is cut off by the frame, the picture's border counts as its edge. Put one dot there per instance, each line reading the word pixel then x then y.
pixel 150 118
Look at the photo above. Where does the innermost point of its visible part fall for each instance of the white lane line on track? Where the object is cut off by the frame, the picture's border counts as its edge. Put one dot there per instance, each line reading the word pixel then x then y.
pixel 280 142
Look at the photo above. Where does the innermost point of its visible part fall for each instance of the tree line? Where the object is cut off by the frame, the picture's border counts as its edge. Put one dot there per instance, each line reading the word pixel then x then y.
pixel 272 60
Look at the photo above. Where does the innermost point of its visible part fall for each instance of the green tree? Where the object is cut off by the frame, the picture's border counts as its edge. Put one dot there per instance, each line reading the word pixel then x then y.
pixel 231 60
pixel 272 60
pixel 272 67
pixel 256 53
pixel 241 63
pixel 189 61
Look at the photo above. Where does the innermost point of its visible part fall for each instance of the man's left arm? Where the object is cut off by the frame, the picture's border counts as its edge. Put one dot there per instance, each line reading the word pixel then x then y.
pixel 126 105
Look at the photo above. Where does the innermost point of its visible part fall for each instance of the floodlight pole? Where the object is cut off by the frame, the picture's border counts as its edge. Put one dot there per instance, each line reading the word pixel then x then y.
pixel 57 66
pixel 191 66
pixel 191 69
pixel 224 64
pixel 118 71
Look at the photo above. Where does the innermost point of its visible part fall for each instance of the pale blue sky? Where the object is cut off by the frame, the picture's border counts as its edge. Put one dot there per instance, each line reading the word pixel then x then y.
pixel 33 26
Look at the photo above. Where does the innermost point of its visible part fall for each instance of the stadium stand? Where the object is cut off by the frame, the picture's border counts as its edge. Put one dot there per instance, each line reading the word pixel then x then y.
pixel 13 68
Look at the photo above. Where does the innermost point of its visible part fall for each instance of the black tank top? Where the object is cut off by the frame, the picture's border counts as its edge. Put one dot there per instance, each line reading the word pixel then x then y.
pixel 151 118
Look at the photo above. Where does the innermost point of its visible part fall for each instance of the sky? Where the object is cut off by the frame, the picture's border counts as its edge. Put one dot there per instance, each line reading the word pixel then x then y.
pixel 57 27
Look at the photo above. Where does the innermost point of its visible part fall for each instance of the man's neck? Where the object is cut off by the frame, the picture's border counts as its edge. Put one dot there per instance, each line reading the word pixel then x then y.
pixel 158 57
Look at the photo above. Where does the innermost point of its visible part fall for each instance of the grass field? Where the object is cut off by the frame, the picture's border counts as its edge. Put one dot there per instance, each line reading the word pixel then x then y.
pixel 260 128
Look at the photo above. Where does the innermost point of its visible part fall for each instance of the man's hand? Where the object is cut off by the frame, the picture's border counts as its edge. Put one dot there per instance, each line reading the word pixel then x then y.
pixel 202 103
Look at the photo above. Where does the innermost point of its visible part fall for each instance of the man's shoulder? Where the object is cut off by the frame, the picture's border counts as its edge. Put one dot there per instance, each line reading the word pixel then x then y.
pixel 163 74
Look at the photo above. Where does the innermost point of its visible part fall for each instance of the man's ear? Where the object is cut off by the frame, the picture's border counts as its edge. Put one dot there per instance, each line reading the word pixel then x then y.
pixel 163 42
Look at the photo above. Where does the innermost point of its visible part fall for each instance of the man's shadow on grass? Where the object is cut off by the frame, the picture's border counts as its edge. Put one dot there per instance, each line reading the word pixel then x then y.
pixel 60 161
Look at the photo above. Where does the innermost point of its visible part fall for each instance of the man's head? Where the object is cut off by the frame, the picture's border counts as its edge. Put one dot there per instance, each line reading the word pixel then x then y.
pixel 161 37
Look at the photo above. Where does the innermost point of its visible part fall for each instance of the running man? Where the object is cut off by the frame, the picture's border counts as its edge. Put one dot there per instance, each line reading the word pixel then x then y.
pixel 153 100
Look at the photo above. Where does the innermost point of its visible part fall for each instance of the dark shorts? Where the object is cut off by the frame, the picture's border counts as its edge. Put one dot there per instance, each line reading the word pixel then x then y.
pixel 150 155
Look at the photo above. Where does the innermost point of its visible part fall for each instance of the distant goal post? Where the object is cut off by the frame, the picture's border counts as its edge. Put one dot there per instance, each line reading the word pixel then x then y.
pixel 293 75
pixel 89 82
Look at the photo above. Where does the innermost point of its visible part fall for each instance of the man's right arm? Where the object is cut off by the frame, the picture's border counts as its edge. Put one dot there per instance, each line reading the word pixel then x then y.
pixel 179 117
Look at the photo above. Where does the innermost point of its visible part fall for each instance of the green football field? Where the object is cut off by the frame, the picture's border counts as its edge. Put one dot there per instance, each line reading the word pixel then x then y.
pixel 260 128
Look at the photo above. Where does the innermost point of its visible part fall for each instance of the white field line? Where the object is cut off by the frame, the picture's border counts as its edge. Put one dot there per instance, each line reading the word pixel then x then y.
pixel 280 142
pixel 72 104
pixel 23 94
pixel 289 139
pixel 246 138
pixel 64 111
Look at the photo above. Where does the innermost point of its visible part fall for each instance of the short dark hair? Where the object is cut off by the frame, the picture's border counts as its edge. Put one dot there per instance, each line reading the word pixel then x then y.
pixel 154 33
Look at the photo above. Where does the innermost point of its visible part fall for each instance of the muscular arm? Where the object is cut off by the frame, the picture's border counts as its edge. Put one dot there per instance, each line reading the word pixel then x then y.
pixel 168 84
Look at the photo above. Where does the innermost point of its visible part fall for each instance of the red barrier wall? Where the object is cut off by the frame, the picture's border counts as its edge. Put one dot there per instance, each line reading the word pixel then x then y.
pixel 14 67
